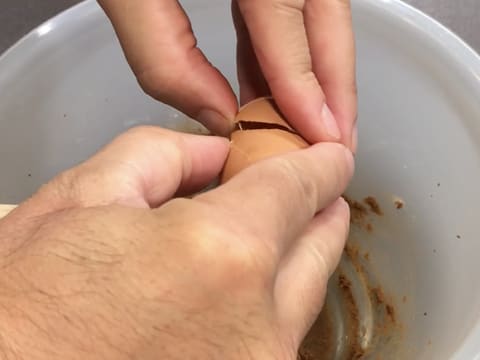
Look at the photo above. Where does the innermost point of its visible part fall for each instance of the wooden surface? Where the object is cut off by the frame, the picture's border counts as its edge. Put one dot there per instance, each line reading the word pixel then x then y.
pixel 5 209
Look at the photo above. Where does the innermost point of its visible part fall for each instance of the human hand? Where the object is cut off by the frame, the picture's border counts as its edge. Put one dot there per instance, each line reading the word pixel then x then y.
pixel 302 52
pixel 102 263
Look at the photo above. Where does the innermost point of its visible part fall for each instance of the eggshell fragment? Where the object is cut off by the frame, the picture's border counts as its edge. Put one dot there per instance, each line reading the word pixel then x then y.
pixel 263 110
pixel 262 132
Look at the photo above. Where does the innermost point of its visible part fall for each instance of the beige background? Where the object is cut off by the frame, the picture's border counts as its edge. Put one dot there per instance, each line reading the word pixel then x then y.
pixel 17 17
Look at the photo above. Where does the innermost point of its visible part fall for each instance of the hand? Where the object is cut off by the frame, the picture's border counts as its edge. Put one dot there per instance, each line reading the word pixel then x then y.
pixel 302 52
pixel 102 263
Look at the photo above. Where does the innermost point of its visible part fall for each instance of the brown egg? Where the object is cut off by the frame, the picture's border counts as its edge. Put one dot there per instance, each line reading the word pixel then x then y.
pixel 261 132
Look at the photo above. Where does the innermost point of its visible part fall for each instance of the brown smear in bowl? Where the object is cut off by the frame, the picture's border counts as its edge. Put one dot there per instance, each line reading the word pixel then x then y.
pixel 325 341
pixel 344 328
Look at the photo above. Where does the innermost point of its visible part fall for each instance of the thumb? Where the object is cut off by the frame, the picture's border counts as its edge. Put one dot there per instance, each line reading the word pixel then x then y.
pixel 143 167
pixel 162 51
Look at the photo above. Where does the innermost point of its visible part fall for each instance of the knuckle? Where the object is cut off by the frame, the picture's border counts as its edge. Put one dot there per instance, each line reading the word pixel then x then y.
pixel 142 132
pixel 219 248
pixel 289 6
pixel 338 3
pixel 68 185
pixel 279 7
pixel 169 83
pixel 157 83
pixel 152 137
pixel 300 73
pixel 286 4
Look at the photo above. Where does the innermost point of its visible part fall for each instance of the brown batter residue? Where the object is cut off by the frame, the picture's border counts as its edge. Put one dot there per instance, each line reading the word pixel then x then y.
pixel 358 211
pixel 319 341
pixel 352 252
pixel 373 205
pixel 390 312
pixel 378 295
pixel 355 349
pixel 344 283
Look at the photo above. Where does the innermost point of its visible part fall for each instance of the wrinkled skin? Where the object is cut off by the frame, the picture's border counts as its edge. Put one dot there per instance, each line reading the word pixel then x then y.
pixel 104 263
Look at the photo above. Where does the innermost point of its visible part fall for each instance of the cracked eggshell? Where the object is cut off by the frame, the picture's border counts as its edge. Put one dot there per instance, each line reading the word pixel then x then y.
pixel 249 146
pixel 262 110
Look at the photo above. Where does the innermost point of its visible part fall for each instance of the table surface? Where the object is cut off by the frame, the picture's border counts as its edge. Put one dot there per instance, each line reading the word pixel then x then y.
pixel 20 16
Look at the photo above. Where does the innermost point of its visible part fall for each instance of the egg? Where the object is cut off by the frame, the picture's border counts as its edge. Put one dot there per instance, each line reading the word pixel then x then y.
pixel 261 131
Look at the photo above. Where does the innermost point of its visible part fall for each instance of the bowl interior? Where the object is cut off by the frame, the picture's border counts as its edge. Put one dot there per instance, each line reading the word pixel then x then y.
pixel 67 90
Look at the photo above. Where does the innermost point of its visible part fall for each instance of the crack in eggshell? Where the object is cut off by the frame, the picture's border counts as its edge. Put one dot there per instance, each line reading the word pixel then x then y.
pixel 262 132
pixel 246 125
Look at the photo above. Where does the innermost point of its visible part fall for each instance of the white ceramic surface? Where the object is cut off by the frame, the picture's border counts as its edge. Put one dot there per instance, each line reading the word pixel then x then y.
pixel 65 90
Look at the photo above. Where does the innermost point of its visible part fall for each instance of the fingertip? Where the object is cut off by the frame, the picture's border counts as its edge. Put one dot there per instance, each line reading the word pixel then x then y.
pixel 215 142
pixel 344 211
pixel 342 203
pixel 329 123
pixel 304 105
pixel 337 218
pixel 332 46
pixel 338 151
pixel 198 162
pixel 345 114
pixel 350 160
pixel 340 209
pixel 208 150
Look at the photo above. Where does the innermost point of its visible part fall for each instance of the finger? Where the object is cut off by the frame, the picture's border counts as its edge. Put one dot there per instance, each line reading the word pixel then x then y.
pixel 275 199
pixel 144 167
pixel 278 35
pixel 301 283
pixel 250 78
pixel 161 48
pixel 330 35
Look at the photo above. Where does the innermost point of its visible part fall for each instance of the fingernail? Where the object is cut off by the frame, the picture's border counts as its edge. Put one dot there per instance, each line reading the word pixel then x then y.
pixel 350 160
pixel 330 123
pixel 355 138
pixel 215 122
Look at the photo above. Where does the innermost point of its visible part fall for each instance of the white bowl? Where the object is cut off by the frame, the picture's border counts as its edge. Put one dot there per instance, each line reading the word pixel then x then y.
pixel 66 90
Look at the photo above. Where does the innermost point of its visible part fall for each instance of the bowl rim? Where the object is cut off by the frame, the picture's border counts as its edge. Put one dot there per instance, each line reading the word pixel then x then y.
pixel 430 27
pixel 452 46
